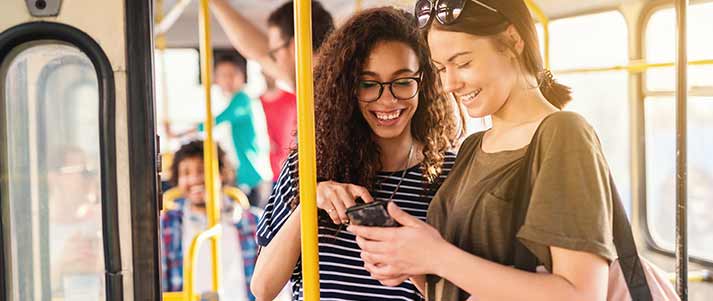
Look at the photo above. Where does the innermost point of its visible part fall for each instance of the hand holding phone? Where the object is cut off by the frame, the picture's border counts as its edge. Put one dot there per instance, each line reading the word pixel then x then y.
pixel 372 214
pixel 333 198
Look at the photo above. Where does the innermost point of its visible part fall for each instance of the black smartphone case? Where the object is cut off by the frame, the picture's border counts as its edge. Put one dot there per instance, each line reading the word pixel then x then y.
pixel 372 214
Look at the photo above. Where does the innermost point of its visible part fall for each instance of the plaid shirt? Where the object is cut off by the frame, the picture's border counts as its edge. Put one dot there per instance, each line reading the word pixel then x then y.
pixel 172 249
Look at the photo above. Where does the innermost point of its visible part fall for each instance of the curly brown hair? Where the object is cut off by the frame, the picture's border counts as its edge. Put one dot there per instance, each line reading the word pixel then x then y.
pixel 192 149
pixel 341 130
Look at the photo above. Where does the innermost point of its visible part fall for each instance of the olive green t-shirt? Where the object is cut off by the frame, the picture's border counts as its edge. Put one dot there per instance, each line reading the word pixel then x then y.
pixel 570 205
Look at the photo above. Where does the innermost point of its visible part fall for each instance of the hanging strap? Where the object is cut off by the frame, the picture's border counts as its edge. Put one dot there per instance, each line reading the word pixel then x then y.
pixel 626 250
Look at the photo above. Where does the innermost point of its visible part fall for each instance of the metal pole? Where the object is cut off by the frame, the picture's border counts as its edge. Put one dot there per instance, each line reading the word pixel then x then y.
pixel 210 154
pixel 306 149
pixel 545 21
pixel 681 149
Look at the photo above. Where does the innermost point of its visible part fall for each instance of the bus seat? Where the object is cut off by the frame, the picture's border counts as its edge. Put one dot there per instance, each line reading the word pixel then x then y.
pixel 170 196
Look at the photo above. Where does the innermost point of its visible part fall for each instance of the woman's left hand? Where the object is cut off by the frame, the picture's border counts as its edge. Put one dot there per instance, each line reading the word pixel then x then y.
pixel 389 253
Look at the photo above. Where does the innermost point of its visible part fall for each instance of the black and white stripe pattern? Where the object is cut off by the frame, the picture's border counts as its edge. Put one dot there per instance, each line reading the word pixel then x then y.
pixel 341 270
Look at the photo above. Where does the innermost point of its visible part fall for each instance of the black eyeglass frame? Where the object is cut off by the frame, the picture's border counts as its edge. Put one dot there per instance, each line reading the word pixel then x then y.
pixel 271 52
pixel 433 7
pixel 391 88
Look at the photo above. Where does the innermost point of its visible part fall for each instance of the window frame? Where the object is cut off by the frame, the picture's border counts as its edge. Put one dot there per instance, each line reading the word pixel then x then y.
pixel 643 93
pixel 632 106
pixel 22 34
pixel 586 14
pixel 143 148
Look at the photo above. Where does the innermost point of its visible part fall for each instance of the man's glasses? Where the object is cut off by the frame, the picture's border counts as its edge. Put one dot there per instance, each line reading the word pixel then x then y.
pixel 446 11
pixel 403 88
pixel 76 170
pixel 271 52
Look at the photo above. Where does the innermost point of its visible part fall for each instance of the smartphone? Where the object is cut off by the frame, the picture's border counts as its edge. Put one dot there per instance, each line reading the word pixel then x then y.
pixel 372 214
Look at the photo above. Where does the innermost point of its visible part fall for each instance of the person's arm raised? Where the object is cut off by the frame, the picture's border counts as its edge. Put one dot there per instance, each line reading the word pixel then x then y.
pixel 246 38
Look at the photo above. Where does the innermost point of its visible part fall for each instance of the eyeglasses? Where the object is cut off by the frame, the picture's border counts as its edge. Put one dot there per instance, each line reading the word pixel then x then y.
pixel 447 11
pixel 403 88
pixel 271 52
pixel 76 170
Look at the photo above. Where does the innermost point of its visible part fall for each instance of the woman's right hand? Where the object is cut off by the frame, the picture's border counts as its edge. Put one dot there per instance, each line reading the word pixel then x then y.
pixel 335 198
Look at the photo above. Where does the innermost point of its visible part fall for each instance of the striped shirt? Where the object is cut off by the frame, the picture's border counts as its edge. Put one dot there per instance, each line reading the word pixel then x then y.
pixel 341 270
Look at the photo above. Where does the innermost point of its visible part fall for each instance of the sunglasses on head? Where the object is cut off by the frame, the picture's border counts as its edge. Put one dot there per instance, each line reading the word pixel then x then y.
pixel 446 11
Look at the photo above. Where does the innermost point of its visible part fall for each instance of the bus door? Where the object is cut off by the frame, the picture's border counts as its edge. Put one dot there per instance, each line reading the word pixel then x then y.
pixel 78 172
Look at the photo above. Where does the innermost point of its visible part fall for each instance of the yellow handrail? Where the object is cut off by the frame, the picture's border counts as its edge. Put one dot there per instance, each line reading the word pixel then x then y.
pixel 190 262
pixel 545 21
pixel 172 296
pixel 235 194
pixel 189 266
pixel 169 198
pixel 634 67
pixel 210 157
pixel 306 149
pixel 694 276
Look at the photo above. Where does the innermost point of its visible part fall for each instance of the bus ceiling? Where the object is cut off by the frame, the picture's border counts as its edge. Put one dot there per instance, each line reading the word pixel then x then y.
pixel 181 16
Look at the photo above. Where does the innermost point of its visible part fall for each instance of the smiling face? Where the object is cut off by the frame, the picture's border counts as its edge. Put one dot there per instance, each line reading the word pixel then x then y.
pixel 190 180
pixel 388 116
pixel 479 75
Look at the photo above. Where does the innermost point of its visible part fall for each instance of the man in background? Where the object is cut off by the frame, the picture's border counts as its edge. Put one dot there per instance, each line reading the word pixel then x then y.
pixel 274 51
pixel 281 116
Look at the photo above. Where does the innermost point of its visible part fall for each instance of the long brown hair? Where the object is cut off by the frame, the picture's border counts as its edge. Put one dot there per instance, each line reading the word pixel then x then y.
pixel 346 150
pixel 480 21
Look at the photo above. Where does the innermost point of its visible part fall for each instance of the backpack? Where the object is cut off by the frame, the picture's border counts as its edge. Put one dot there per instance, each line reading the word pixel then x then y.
pixel 630 276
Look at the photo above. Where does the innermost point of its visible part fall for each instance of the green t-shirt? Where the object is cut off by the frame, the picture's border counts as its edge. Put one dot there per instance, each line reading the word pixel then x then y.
pixel 570 204
pixel 253 156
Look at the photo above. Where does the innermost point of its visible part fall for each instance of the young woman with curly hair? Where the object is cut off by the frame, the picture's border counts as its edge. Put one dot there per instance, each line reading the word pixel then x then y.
pixel 383 133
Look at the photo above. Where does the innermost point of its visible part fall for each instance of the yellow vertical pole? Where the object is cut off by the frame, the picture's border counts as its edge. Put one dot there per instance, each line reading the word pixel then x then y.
pixel 210 160
pixel 306 149
pixel 537 11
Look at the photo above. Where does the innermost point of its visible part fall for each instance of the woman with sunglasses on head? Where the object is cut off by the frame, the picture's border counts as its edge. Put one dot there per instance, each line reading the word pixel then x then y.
pixel 383 132
pixel 487 56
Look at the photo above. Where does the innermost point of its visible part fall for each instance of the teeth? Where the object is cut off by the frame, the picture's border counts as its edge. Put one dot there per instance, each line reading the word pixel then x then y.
pixel 386 116
pixel 196 189
pixel 470 96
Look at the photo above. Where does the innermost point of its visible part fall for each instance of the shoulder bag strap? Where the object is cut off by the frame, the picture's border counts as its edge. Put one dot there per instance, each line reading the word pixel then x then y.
pixel 629 260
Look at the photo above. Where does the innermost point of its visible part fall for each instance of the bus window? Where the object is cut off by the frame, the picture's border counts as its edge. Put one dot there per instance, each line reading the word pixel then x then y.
pixel 178 92
pixel 179 96
pixel 661 173
pixel 661 43
pixel 51 160
pixel 602 97
pixel 660 110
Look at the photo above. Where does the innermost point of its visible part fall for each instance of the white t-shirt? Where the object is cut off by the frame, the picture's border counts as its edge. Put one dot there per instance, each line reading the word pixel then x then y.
pixel 231 259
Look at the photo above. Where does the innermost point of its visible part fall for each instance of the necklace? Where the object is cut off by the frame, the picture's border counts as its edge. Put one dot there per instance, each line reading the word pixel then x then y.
pixel 403 173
